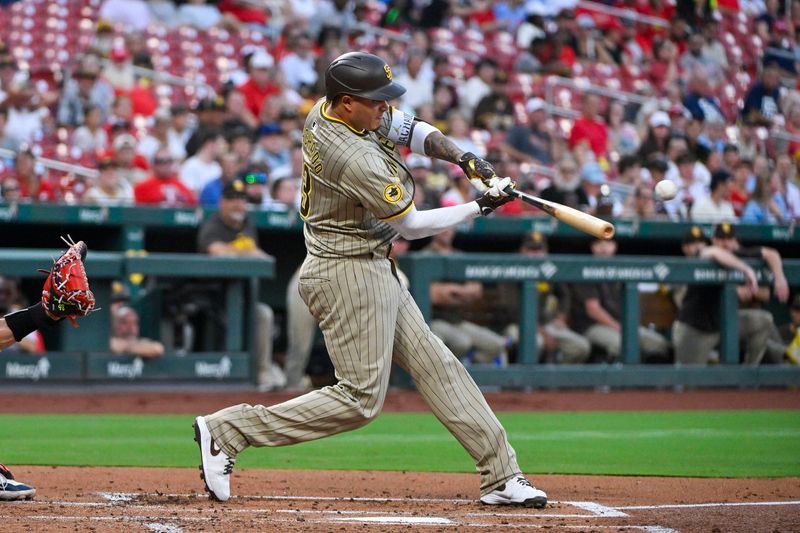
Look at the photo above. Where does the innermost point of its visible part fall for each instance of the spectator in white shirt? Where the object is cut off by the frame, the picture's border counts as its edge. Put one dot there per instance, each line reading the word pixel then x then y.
pixel 715 207
pixel 713 48
pixel 418 83
pixel 91 137
pixel 133 14
pixel 694 60
pixel 26 114
pixel 85 88
pixel 786 171
pixel 458 131
pixel 180 131
pixel 130 166
pixel 202 15
pixel 478 86
pixel 298 66
pixel 304 10
pixel 109 189
pixel 159 137
pixel 202 167
pixel 119 72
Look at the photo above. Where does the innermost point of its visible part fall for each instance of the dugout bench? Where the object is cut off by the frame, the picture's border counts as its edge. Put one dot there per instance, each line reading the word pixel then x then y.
pixel 86 349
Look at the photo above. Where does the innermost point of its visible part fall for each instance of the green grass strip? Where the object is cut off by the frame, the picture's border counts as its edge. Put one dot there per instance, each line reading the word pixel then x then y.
pixel 695 443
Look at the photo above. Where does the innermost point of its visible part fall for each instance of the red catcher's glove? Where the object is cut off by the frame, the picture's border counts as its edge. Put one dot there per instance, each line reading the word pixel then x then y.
pixel 66 292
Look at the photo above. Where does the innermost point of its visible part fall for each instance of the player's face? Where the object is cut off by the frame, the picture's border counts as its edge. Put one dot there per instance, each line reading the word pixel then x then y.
pixel 692 249
pixel 533 252
pixel 604 248
pixel 233 209
pixel 367 114
pixel 727 243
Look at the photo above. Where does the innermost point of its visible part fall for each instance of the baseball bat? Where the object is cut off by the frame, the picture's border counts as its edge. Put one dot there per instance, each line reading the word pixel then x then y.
pixel 577 219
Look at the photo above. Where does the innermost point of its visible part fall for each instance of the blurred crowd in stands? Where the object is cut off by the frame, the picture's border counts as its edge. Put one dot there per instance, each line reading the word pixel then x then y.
pixel 586 103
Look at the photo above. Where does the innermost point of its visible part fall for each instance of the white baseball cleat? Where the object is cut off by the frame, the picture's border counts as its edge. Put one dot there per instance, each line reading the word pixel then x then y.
pixel 215 465
pixel 11 490
pixel 516 491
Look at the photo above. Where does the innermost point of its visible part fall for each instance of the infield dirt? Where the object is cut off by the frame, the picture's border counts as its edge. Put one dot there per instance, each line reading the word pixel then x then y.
pixel 171 500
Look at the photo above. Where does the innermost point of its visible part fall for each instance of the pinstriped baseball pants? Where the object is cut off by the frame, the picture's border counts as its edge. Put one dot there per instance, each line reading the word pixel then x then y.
pixel 369 320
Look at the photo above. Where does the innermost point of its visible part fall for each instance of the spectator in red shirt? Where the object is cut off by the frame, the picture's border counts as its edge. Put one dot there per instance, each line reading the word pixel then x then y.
pixel 164 187
pixel 664 68
pixel 31 185
pixel 261 83
pixel 481 15
pixel 739 193
pixel 793 128
pixel 244 11
pixel 590 129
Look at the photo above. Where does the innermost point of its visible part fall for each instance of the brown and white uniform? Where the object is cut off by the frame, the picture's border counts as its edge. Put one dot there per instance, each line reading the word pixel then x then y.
pixel 352 183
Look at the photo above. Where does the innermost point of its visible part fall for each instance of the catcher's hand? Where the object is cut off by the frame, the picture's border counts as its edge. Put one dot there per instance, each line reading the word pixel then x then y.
pixel 479 172
pixel 66 291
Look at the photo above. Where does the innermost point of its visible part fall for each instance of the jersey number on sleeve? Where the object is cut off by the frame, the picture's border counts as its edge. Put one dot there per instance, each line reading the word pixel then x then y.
pixel 305 193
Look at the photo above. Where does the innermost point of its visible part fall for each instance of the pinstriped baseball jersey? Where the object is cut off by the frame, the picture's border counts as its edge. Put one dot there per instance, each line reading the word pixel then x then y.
pixel 353 181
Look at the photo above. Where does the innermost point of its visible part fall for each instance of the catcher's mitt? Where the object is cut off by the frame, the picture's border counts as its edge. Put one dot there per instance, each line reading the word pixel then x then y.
pixel 66 291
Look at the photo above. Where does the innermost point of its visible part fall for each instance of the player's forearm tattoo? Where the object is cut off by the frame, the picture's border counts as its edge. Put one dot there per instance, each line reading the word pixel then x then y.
pixel 440 147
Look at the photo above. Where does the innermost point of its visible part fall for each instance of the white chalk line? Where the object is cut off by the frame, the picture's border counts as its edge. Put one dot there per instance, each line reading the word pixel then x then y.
pixel 649 529
pixel 696 505
pixel 158 527
pixel 146 520
pixel 398 520
pixel 599 510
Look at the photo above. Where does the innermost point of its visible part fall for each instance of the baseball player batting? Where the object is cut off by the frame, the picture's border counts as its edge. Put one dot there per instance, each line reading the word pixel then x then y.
pixel 356 199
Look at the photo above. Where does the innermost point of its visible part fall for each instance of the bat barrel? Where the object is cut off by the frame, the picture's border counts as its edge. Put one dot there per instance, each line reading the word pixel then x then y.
pixel 585 222
pixel 607 231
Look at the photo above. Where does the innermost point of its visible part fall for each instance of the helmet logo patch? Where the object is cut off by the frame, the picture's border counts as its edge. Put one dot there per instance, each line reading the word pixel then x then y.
pixel 388 70
pixel 392 193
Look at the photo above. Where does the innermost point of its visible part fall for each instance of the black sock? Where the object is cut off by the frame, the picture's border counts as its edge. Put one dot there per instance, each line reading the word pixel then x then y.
pixel 24 322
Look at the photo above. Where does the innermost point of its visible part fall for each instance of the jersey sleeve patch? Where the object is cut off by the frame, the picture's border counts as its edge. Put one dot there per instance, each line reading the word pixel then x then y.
pixel 393 193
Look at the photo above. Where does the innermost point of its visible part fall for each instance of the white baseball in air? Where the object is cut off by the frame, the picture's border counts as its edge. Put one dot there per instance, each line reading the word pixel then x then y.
pixel 666 189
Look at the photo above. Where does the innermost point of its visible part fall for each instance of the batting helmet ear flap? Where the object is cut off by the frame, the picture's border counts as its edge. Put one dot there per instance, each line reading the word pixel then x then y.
pixel 361 74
